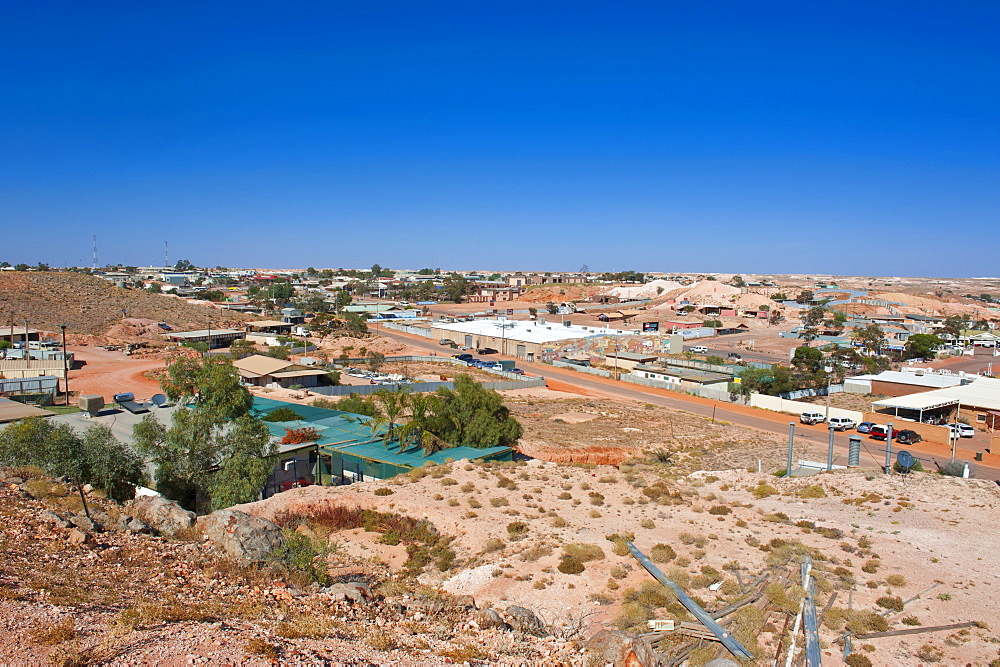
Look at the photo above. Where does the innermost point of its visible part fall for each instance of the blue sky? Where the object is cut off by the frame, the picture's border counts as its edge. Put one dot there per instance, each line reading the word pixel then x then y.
pixel 765 137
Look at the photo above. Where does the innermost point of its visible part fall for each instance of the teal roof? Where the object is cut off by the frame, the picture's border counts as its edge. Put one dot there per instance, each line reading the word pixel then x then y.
pixel 351 434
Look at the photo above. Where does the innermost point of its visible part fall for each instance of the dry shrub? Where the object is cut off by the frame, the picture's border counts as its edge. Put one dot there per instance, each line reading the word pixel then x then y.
pixel 763 490
pixel 559 522
pixel 858 660
pixel 648 524
pixel 55 633
pixel 498 502
pixel 533 553
pixel 910 620
pixel 307 627
pixel 662 553
pixel 261 647
pixel 583 552
pixel 930 653
pixel 380 640
pixel 468 487
pixel 719 510
pixel 383 492
pixel 893 602
pixel 493 544
pixel 465 653
pixel 871 567
pixel 814 491
pixel 896 580
pixel 861 622
pixel 570 565
pixel 619 572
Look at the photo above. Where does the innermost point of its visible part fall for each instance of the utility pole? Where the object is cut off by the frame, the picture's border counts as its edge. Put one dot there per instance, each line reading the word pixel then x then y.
pixel 829 376
pixel 66 360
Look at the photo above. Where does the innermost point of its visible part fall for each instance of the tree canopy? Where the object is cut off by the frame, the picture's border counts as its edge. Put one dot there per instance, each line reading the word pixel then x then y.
pixel 95 458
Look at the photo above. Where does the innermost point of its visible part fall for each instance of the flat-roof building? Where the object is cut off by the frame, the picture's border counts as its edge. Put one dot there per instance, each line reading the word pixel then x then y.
pixel 520 338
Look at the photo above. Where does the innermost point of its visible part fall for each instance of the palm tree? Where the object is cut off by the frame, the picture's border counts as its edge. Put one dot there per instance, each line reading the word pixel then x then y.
pixel 392 405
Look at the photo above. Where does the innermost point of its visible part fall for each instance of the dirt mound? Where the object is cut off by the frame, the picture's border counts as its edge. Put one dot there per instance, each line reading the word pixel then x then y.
pixel 560 293
pixel 93 306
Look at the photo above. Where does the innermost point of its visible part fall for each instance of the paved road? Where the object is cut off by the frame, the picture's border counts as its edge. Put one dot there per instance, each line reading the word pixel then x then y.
pixel 872 452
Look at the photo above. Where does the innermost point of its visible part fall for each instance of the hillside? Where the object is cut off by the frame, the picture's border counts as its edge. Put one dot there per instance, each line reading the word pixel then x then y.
pixel 93 305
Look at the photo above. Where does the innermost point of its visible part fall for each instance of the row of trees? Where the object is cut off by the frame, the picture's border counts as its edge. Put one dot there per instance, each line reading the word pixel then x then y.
pixel 467 415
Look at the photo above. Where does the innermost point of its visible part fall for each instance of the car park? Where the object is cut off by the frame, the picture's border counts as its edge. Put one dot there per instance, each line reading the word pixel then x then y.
pixel 812 418
pixel 865 427
pixel 842 423
pixel 908 437
pixel 963 430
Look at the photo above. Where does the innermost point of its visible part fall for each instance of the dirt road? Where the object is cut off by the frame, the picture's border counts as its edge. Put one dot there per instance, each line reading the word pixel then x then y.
pixel 872 452
pixel 109 373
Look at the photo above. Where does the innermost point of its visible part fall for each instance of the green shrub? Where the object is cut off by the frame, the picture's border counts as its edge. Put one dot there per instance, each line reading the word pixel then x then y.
pixel 814 491
pixel 952 468
pixel 282 414
pixel 763 490
pixel 893 602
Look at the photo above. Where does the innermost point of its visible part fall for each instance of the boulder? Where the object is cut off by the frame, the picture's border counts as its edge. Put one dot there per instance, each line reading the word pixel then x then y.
pixel 164 516
pixel 77 536
pixel 489 618
pixel 618 648
pixel 85 523
pixel 242 535
pixel 355 591
pixel 138 526
pixel 525 620
pixel 53 518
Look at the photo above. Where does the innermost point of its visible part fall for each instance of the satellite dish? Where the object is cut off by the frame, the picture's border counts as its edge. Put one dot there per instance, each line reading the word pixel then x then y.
pixel 905 460
pixel 158 400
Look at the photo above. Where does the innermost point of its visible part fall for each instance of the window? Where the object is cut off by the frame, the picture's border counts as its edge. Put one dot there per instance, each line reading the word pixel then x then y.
pixel 981 417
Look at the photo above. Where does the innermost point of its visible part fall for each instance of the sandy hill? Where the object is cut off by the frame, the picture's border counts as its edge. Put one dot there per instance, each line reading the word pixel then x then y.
pixel 93 305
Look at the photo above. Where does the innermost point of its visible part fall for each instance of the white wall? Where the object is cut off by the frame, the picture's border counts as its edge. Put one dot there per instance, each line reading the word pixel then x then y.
pixel 778 404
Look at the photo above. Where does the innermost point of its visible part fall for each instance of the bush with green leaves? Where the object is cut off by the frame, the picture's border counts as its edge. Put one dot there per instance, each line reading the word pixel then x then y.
pixel 96 457
pixel 282 414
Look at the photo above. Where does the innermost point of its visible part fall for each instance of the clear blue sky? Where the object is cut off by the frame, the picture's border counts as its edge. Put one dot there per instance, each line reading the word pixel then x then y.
pixel 852 137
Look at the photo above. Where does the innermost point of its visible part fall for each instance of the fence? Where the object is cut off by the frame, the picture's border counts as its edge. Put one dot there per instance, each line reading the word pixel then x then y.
pixel 419 387
pixel 416 331
pixel 778 404
pixel 582 369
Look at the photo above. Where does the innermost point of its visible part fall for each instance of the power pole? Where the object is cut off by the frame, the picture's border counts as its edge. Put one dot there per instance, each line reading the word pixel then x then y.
pixel 95 251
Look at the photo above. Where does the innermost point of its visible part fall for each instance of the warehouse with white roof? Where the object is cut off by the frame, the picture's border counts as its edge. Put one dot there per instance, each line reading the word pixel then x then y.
pixel 523 339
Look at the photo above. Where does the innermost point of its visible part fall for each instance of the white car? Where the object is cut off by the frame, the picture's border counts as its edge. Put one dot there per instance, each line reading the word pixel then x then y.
pixel 842 423
pixel 699 349
pixel 962 430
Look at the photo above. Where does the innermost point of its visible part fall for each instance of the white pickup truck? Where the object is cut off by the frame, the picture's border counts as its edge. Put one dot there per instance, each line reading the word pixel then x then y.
pixel 699 349
pixel 812 418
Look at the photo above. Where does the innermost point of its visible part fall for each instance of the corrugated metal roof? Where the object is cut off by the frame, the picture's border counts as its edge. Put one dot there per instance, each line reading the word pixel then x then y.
pixel 12 411
pixel 981 393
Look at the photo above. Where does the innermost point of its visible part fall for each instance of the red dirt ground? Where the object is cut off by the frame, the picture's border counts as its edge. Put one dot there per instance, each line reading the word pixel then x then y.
pixel 109 373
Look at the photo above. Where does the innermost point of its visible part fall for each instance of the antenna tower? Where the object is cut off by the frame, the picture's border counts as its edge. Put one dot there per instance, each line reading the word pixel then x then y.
pixel 95 251
pixel 166 254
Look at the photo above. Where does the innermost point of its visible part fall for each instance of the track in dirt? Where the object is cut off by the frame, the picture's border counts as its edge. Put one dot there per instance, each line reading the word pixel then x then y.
pixel 109 373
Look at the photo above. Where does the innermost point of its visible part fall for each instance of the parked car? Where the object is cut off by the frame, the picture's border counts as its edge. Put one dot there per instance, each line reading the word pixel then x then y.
pixel 446 341
pixel 699 349
pixel 462 357
pixel 964 430
pixel 842 423
pixel 812 418
pixel 516 371
pixel 908 437
pixel 865 427
pixel 164 326
pixel 880 432
pixel 486 350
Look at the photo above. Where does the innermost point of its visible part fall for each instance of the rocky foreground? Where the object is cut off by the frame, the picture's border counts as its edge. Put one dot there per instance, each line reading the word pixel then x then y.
pixel 146 583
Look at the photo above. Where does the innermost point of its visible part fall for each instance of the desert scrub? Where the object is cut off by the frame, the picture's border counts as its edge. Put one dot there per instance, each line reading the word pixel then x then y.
pixel 52 634
pixel 601 598
pixel 468 487
pixel 910 620
pixel 648 524
pixel 506 483
pixel 559 522
pixel 384 491
pixel 448 481
pixel 619 572
pixel 534 552
pixel 930 652
pixel 570 565
pixel 860 622
pixel 498 502
pixel 565 496
pixel 763 490
pixel 896 580
pixel 493 544
pixel 814 491
pixel 871 567
pixel 608 479
pixel 858 660
pixel 892 602
pixel 517 529
pixel 719 510
pixel 583 552
pixel 662 553
pixel 596 498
